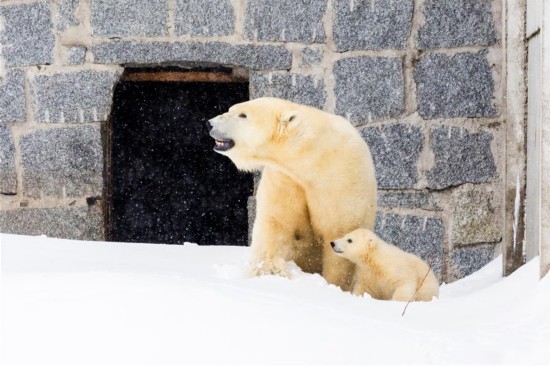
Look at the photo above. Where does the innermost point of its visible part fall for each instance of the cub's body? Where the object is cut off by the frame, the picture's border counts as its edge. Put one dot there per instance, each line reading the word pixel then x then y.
pixel 384 271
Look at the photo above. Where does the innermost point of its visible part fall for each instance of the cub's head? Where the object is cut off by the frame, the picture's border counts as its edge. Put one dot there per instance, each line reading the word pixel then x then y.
pixel 355 244
pixel 249 131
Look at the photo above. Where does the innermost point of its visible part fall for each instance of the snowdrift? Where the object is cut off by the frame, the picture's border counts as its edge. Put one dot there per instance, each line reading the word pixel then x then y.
pixel 73 302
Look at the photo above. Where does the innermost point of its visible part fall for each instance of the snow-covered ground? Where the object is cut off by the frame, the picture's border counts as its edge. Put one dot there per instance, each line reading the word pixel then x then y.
pixel 71 302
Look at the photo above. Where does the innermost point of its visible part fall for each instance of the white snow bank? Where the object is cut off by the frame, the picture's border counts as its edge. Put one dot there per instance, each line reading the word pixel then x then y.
pixel 71 302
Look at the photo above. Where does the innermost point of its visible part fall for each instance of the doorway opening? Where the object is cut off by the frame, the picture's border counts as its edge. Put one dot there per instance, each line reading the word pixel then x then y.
pixel 165 184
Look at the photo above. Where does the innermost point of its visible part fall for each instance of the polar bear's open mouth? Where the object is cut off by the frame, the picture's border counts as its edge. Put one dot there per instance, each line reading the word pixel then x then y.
pixel 224 145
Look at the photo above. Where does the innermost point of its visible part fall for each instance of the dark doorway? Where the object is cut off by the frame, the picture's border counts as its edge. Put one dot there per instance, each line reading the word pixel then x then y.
pixel 167 185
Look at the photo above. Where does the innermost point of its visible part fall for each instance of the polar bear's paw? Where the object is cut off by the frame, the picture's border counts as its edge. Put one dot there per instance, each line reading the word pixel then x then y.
pixel 277 267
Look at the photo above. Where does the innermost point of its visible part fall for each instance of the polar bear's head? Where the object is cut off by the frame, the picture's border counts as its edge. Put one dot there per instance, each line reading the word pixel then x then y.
pixel 355 244
pixel 251 131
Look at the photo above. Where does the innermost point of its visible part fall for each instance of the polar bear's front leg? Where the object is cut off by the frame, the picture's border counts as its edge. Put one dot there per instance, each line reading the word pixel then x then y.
pixel 268 249
pixel 281 213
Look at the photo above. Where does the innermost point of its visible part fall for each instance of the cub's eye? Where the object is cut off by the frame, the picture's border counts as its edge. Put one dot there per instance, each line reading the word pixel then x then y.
pixel 350 241
pixel 242 115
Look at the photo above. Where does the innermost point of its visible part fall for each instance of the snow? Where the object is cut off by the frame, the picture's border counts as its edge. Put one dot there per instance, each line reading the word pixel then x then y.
pixel 73 302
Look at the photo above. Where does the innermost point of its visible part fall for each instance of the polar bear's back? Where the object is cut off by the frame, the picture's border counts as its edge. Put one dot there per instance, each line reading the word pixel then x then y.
pixel 341 167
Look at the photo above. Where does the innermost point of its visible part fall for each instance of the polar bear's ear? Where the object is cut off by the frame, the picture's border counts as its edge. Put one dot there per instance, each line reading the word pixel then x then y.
pixel 368 237
pixel 288 117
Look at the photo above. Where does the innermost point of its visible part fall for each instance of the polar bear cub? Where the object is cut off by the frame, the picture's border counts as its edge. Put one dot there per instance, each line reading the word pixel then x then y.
pixel 385 271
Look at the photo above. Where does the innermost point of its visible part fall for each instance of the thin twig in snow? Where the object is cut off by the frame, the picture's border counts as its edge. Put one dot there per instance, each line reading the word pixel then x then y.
pixel 418 288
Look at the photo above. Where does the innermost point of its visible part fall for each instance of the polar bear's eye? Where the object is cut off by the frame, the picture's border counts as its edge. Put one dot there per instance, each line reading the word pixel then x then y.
pixel 350 241
pixel 242 115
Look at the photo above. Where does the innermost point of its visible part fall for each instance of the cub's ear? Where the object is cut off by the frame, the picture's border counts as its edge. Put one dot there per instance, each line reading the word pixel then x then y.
pixel 288 117
pixel 371 243
pixel 369 238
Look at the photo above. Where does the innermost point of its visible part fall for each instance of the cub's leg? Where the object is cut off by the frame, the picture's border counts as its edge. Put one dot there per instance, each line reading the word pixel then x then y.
pixel 281 230
pixel 357 287
pixel 404 292
pixel 429 289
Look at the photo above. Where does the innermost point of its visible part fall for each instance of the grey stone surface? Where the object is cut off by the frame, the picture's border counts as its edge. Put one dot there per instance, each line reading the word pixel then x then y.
pixel 422 236
pixel 422 200
pixel 372 25
pixel 131 52
pixel 295 87
pixel 311 56
pixel 8 176
pixel 12 96
pixel 62 162
pixel 256 57
pixel 82 223
pixel 458 86
pixel 251 205
pixel 465 261
pixel 129 17
pixel 27 36
pixel 285 20
pixel 475 217
pixel 460 157
pixel 395 150
pixel 204 17
pixel 369 88
pixel 66 14
pixel 75 55
pixel 256 176
pixel 456 23
pixel 73 97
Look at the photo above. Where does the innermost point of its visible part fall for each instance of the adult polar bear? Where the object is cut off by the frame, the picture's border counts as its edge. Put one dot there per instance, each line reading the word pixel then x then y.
pixel 318 183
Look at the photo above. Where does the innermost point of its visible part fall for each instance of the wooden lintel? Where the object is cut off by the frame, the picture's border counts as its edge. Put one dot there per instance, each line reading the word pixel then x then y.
pixel 187 76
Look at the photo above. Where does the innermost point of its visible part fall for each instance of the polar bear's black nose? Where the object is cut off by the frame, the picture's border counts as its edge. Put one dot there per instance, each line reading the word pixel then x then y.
pixel 209 125
pixel 332 244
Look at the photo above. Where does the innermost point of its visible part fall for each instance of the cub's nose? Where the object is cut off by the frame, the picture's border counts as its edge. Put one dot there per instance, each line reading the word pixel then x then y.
pixel 332 244
pixel 209 125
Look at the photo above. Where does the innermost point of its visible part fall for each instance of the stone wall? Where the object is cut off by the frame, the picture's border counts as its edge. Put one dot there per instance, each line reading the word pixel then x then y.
pixel 420 79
